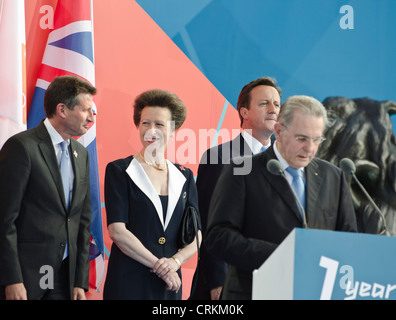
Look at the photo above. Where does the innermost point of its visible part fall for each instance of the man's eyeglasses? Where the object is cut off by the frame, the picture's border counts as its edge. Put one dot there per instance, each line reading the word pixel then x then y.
pixel 305 139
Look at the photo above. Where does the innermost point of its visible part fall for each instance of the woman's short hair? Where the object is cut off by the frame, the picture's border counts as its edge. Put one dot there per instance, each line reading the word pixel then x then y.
pixel 160 98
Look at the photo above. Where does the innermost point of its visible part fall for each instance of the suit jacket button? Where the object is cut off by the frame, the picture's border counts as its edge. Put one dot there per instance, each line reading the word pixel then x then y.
pixel 161 240
pixel 62 244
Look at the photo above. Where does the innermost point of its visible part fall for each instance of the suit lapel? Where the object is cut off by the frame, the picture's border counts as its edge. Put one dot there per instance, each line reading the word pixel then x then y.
pixel 79 169
pixel 139 177
pixel 48 153
pixel 240 147
pixel 279 183
pixel 175 185
pixel 314 182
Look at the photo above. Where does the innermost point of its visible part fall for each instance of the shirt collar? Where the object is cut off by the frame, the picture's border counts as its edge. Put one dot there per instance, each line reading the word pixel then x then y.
pixel 282 161
pixel 252 142
pixel 56 138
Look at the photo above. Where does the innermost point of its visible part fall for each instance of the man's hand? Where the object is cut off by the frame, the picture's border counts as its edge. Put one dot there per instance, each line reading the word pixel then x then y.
pixel 215 293
pixel 79 294
pixel 15 291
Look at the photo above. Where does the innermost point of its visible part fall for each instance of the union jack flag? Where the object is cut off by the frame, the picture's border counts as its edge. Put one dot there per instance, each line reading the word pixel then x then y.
pixel 69 51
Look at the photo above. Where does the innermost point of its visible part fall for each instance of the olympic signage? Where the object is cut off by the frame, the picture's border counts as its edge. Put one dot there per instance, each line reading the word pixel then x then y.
pixel 316 264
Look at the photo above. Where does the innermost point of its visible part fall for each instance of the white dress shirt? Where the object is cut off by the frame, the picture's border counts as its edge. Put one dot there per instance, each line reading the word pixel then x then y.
pixel 253 143
pixel 284 165
pixel 56 139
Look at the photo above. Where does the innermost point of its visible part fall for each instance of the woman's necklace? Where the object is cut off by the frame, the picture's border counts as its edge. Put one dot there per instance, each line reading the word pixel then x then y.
pixel 153 164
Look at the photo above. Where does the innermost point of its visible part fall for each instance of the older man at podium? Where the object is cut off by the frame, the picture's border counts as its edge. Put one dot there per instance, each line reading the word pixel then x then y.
pixel 287 188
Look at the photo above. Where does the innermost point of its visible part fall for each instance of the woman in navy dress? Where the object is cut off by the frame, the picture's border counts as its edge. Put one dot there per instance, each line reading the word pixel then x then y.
pixel 145 197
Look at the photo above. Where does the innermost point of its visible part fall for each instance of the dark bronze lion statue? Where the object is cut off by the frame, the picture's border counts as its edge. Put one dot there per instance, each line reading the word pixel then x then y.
pixel 361 130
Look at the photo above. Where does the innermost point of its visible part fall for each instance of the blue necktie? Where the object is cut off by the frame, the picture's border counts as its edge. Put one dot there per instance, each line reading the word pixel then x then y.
pixel 298 185
pixel 263 148
pixel 65 173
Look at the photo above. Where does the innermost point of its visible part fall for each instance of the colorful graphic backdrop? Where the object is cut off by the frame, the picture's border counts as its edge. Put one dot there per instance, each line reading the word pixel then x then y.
pixel 206 50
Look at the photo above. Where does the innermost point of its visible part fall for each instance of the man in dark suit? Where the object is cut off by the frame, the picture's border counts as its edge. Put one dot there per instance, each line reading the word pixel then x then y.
pixel 258 107
pixel 250 215
pixel 44 225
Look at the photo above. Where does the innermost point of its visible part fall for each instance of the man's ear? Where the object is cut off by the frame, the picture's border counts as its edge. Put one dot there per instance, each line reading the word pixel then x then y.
pixel 244 113
pixel 61 110
pixel 277 130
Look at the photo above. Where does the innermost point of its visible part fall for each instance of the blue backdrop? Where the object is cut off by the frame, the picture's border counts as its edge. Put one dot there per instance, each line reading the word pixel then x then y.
pixel 317 48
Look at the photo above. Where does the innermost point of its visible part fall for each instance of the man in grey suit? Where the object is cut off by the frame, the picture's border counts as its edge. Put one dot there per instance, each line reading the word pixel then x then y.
pixel 250 215
pixel 258 108
pixel 45 211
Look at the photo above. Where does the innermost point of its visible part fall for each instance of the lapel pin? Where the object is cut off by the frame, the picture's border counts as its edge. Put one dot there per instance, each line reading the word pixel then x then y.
pixel 75 154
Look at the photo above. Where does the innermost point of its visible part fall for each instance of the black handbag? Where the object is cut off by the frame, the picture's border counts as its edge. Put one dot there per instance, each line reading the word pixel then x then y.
pixel 188 227
pixel 187 232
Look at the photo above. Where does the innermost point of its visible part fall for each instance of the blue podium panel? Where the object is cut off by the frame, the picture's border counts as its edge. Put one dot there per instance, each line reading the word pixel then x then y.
pixel 318 264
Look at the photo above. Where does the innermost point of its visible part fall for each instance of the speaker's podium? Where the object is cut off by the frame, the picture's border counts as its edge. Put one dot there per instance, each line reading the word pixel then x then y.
pixel 317 264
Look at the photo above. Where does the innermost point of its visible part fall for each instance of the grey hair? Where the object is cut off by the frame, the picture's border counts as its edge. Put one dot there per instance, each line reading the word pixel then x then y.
pixel 307 105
